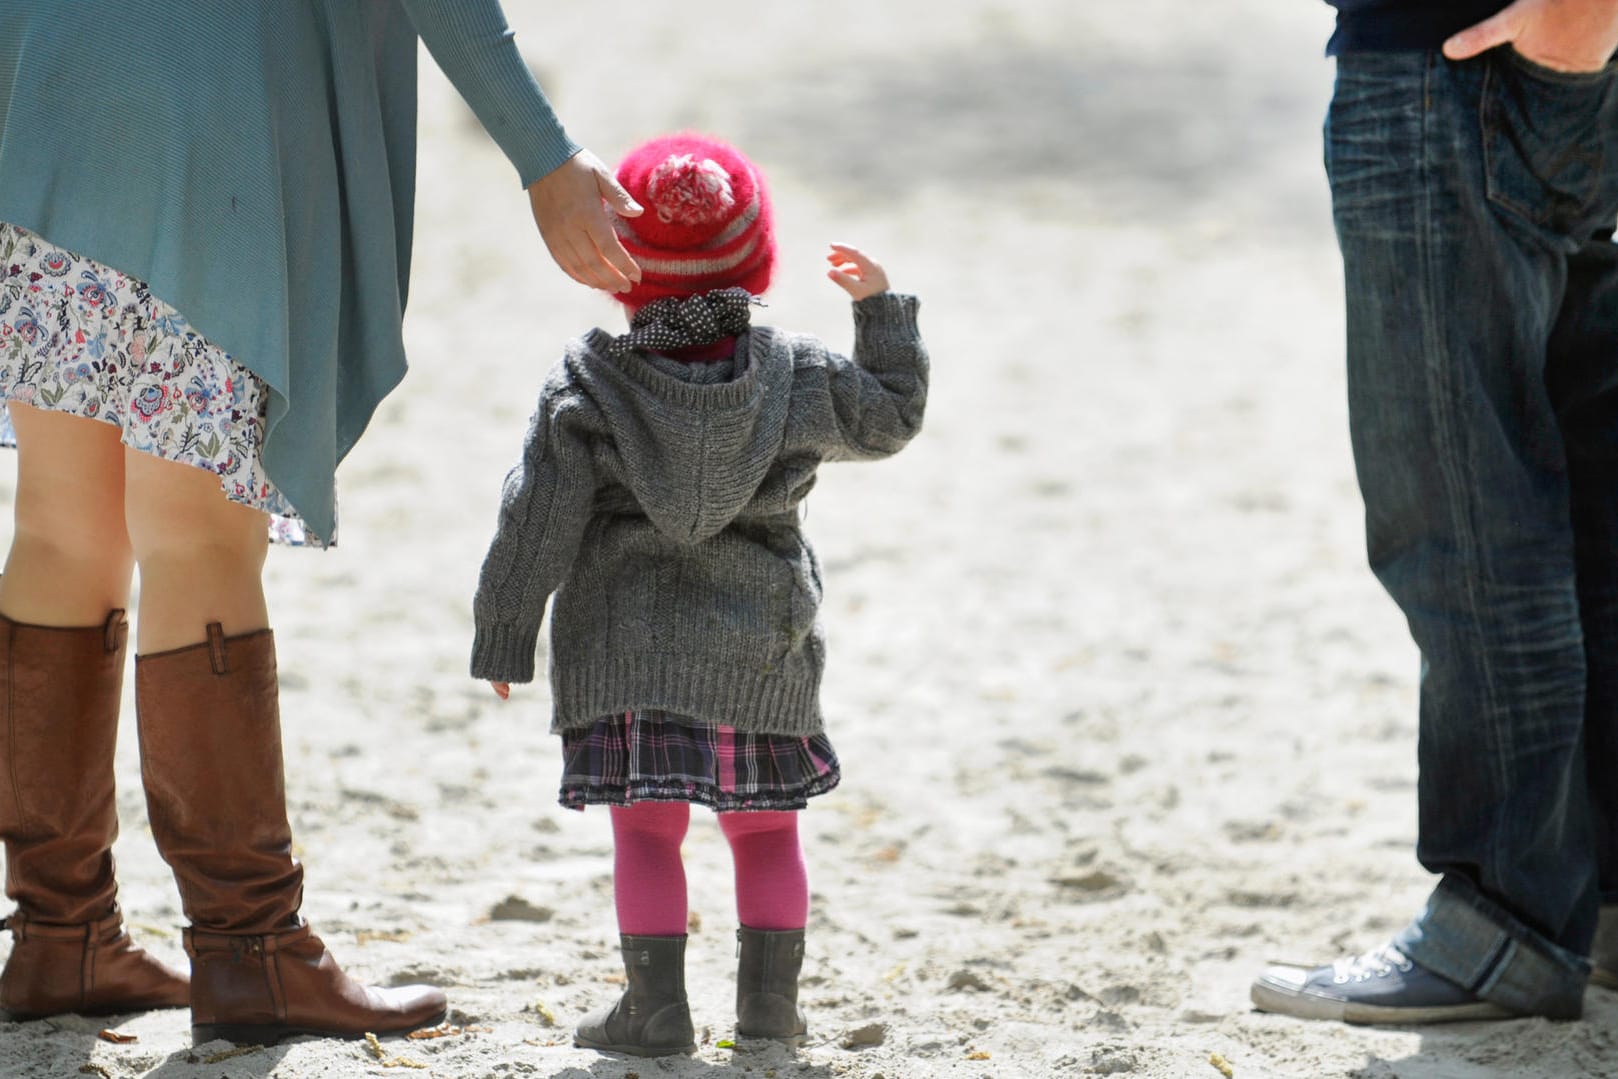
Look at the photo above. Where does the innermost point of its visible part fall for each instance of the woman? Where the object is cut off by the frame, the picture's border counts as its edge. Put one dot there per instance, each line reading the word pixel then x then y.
pixel 205 214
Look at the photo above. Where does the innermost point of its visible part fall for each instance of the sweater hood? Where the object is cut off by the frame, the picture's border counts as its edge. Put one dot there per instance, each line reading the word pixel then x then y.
pixel 695 441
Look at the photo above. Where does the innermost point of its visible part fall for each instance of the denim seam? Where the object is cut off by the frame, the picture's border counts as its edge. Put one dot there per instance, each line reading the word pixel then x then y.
pixel 1539 224
pixel 1495 967
pixel 1527 939
pixel 1447 433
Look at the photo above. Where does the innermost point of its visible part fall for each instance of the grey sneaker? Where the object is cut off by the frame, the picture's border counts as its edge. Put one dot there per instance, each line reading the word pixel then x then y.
pixel 1381 986
pixel 1604 952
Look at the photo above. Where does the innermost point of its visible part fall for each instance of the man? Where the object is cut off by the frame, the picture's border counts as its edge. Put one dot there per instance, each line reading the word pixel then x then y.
pixel 1472 148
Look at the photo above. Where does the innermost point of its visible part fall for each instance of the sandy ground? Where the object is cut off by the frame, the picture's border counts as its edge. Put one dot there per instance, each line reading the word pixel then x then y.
pixel 1122 713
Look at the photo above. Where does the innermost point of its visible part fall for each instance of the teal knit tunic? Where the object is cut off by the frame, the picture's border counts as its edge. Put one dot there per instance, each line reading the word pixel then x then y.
pixel 254 162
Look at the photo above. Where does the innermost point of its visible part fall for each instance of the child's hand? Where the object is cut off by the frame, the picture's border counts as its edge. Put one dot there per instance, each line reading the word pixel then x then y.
pixel 855 272
pixel 502 690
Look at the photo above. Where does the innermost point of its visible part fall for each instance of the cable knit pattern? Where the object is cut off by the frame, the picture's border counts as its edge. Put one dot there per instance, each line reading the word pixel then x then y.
pixel 659 502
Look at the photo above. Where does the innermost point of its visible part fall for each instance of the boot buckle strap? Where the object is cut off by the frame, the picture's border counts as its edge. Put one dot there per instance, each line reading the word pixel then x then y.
pixel 245 948
pixel 204 943
pixel 216 648
pixel 90 934
pixel 115 631
pixel 242 945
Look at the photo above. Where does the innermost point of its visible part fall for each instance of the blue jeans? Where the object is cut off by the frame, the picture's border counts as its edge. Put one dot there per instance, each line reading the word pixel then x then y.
pixel 1475 205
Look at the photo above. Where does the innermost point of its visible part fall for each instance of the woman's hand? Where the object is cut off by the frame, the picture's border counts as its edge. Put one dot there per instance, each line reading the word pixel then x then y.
pixel 855 272
pixel 502 690
pixel 1564 35
pixel 567 205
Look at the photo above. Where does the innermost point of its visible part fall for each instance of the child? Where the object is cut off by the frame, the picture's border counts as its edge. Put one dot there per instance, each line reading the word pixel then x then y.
pixel 657 497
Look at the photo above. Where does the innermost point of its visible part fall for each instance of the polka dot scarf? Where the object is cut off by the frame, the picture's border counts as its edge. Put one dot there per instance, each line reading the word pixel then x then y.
pixel 688 322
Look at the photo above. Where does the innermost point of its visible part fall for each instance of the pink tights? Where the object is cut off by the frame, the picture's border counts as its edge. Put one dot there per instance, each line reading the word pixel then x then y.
pixel 772 883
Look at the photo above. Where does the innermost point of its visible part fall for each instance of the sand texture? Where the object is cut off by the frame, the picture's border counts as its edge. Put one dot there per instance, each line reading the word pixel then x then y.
pixel 1122 712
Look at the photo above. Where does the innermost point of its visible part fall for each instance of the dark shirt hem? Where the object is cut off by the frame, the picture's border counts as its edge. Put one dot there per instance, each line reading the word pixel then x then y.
pixel 1386 27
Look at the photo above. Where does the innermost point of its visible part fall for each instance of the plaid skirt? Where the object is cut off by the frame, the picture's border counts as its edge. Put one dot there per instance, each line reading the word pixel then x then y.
pixel 660 757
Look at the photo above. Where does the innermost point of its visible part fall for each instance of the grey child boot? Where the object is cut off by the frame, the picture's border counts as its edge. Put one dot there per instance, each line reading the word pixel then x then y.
pixel 652 1018
pixel 767 984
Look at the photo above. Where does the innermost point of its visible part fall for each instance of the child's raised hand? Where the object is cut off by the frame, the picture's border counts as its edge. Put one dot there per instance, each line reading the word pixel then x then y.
pixel 501 690
pixel 855 272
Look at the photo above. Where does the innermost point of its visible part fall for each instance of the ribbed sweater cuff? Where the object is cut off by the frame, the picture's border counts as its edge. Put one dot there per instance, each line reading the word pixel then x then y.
pixel 504 653
pixel 887 316
pixel 539 153
pixel 757 703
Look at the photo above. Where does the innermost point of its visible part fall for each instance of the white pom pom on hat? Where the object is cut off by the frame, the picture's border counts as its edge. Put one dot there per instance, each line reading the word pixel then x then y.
pixel 690 192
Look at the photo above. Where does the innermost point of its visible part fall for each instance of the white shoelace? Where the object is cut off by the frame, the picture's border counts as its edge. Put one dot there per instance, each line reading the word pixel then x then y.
pixel 1378 963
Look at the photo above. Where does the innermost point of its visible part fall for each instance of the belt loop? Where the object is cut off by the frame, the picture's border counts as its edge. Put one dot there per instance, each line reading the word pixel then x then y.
pixel 216 648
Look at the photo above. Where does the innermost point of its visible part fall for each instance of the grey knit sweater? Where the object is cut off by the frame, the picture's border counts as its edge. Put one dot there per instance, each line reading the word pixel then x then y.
pixel 659 501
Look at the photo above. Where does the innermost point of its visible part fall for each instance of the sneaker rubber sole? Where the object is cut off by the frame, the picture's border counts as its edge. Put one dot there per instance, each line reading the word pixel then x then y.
pixel 1268 996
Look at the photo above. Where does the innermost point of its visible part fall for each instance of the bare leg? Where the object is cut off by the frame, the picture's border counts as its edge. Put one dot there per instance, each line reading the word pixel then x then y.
pixel 70 558
pixel 61 665
pixel 207 709
pixel 201 556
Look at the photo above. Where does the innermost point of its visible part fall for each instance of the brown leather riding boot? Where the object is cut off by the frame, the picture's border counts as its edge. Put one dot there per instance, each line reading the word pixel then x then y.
pixel 210 740
pixel 59 690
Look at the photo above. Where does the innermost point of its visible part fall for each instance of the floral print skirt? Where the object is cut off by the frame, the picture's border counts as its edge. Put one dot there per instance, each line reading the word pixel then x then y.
pixel 661 757
pixel 83 339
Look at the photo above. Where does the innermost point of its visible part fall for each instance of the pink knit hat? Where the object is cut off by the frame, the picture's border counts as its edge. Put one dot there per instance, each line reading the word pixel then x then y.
pixel 707 223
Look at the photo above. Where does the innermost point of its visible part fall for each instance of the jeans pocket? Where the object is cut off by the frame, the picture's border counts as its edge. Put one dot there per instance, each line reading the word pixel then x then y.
pixel 1548 143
